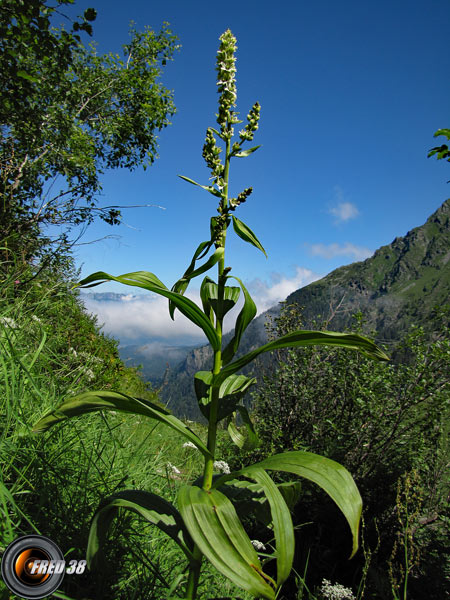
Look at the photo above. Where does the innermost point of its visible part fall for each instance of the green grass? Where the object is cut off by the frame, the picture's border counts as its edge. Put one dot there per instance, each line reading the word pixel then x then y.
pixel 52 483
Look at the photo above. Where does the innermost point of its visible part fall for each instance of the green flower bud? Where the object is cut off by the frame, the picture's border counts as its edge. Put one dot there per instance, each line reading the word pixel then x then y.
pixel 252 123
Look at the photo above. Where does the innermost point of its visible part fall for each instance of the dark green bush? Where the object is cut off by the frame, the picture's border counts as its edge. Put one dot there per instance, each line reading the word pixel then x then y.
pixel 384 422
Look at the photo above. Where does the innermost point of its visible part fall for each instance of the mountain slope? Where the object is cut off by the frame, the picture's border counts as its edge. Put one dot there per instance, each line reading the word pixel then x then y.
pixel 399 285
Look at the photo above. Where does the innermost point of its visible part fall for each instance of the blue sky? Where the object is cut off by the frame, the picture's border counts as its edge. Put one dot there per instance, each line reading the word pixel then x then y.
pixel 351 94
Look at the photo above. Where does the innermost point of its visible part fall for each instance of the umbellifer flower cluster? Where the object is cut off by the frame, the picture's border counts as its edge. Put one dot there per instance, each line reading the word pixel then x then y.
pixel 335 591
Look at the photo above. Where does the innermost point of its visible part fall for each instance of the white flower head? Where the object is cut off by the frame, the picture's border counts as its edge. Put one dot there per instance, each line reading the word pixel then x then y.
pixel 173 468
pixel 89 374
pixel 221 465
pixel 37 319
pixel 9 322
pixel 189 445
pixel 335 591
pixel 258 545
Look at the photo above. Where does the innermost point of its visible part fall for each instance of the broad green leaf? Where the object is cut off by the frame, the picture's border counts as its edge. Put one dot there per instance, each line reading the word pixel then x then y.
pixel 252 440
pixel 181 285
pixel 351 341
pixel 209 293
pixel 248 497
pixel 104 400
pixel 213 259
pixel 209 188
pixel 237 437
pixel 150 282
pixel 151 507
pixel 282 523
pixel 243 320
pixel 205 295
pixel 244 153
pixel 246 234
pixel 230 392
pixel 326 473
pixel 249 439
pixel 216 529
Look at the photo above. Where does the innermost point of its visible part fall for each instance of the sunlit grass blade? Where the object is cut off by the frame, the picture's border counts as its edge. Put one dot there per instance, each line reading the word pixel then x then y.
pixel 216 529
pixel 88 402
pixel 151 507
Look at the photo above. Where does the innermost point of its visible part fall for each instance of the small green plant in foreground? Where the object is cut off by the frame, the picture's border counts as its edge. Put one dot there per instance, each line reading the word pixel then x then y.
pixel 207 523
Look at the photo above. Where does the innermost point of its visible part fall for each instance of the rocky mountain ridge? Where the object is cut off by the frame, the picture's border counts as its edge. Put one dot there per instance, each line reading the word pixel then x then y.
pixel 397 286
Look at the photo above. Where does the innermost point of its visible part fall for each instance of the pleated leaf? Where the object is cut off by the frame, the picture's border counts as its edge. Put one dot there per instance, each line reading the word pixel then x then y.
pixel 216 529
pixel 307 338
pixel 149 281
pixel 181 285
pixel 209 294
pixel 282 523
pixel 326 473
pixel 246 234
pixel 244 153
pixel 248 497
pixel 151 507
pixel 230 392
pixel 245 317
pixel 248 439
pixel 88 402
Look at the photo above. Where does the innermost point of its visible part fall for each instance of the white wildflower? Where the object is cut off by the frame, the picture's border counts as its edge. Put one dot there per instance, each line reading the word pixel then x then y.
pixel 189 445
pixel 335 591
pixel 221 465
pixel 89 374
pixel 91 357
pixel 9 322
pixel 37 319
pixel 73 351
pixel 258 545
pixel 173 468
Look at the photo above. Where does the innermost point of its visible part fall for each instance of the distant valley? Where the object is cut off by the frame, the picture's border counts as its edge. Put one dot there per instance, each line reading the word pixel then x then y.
pixel 399 285
pixel 154 358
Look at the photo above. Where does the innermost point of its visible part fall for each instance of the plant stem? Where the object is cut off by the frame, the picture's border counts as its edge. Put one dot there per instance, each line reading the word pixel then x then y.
pixel 194 569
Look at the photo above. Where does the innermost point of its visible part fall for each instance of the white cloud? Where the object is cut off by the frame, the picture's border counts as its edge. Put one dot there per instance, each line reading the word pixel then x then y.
pixel 267 295
pixel 143 316
pixel 146 317
pixel 344 210
pixel 347 249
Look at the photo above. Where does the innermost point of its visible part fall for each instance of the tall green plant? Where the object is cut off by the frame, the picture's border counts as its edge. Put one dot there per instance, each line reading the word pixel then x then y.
pixel 207 523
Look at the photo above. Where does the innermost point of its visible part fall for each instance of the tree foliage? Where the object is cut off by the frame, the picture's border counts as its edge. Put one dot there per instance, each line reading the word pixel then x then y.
pixel 67 114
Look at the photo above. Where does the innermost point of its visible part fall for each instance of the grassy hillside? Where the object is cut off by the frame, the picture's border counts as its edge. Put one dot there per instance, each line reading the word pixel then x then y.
pixel 52 483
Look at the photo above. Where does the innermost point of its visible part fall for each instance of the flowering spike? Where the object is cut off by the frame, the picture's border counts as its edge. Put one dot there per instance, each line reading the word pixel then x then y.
pixel 226 82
